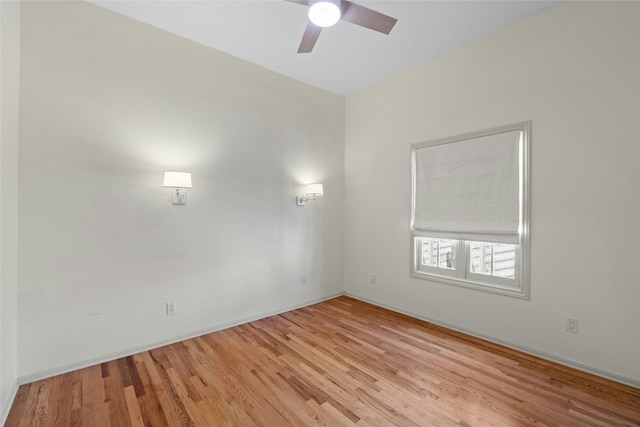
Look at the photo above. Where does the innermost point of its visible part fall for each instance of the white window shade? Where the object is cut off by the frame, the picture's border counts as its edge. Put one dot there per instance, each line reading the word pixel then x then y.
pixel 469 188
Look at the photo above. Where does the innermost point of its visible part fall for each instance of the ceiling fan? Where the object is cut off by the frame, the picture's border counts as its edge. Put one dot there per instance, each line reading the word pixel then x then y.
pixel 325 13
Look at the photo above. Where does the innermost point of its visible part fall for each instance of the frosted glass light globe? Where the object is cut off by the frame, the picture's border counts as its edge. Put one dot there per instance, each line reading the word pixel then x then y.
pixel 324 13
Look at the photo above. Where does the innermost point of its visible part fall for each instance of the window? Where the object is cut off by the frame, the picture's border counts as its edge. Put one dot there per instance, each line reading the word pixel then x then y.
pixel 470 210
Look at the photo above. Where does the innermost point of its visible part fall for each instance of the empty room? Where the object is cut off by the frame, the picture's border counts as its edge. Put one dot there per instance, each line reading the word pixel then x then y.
pixel 291 212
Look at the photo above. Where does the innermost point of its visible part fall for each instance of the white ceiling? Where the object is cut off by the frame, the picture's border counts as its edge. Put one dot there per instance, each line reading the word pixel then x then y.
pixel 347 58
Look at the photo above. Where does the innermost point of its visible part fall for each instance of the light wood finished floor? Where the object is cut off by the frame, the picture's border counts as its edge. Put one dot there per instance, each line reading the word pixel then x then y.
pixel 338 363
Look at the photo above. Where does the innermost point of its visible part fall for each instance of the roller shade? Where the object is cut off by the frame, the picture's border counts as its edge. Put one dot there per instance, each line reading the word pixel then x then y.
pixel 469 189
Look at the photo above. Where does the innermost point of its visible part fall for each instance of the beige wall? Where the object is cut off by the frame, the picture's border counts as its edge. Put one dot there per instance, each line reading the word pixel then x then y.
pixel 107 105
pixel 573 71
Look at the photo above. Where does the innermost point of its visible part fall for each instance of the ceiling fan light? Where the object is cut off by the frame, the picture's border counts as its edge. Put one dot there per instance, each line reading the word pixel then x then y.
pixel 324 13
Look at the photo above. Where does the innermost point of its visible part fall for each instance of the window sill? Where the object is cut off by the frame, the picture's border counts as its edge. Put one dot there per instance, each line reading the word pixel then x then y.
pixel 515 292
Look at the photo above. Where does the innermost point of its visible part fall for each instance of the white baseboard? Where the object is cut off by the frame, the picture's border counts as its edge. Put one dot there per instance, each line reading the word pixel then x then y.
pixel 128 352
pixel 533 352
pixel 47 373
pixel 7 402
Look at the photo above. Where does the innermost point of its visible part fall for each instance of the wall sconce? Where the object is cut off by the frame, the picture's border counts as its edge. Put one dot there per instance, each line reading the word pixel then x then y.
pixel 313 191
pixel 179 181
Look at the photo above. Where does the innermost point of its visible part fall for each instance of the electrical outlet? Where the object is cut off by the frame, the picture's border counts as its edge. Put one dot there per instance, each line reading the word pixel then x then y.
pixel 572 325
pixel 171 308
pixel 373 279
pixel 303 281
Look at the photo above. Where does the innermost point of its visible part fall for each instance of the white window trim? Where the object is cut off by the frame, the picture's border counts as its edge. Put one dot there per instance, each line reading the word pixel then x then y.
pixel 462 276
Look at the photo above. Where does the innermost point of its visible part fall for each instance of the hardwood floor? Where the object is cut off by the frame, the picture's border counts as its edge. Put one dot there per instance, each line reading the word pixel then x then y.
pixel 338 363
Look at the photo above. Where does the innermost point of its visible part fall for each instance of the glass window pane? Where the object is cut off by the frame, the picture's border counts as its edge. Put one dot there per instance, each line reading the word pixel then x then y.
pixel 429 252
pixel 447 254
pixel 504 261
pixel 493 259
pixel 487 257
pixel 475 249
pixel 438 253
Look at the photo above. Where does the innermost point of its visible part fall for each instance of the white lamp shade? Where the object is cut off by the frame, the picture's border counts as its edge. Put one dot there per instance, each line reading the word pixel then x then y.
pixel 177 179
pixel 324 13
pixel 315 190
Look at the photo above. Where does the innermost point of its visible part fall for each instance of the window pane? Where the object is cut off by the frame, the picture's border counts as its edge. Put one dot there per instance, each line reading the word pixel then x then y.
pixel 429 252
pixel 477 264
pixel 493 259
pixel 447 254
pixel 504 261
pixel 439 253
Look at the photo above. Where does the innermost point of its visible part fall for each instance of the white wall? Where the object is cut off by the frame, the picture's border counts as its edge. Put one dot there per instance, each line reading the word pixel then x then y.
pixel 9 124
pixel 107 105
pixel 574 71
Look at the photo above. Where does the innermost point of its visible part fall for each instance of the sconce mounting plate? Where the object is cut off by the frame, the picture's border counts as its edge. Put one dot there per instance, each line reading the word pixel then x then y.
pixel 179 197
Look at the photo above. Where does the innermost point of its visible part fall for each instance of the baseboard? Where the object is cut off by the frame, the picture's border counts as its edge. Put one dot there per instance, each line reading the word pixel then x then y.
pixel 47 373
pixel 128 352
pixel 7 402
pixel 533 352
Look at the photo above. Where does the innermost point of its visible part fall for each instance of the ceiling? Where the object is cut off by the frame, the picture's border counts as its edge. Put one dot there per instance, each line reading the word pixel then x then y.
pixel 347 58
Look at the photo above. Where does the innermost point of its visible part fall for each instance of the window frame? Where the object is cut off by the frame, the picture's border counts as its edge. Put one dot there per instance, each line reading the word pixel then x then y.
pixel 462 275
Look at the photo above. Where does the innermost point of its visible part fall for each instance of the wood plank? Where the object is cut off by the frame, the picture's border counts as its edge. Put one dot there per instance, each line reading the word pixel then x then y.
pixel 338 363
pixel 135 415
pixel 93 410
pixel 21 403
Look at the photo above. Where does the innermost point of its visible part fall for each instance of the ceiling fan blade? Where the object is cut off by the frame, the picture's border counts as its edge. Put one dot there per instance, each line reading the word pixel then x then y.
pixel 309 38
pixel 366 17
pixel 303 2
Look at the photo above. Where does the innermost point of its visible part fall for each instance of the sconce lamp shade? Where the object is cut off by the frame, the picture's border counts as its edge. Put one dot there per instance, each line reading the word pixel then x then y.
pixel 314 190
pixel 177 179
